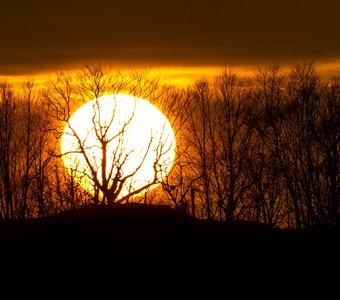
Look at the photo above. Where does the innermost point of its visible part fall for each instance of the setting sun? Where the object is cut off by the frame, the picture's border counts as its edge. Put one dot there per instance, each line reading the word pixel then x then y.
pixel 120 142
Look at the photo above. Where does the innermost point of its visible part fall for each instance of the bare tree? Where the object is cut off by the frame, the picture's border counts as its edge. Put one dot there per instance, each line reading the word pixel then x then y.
pixel 28 144
pixel 7 148
pixel 264 150
pixel 327 135
pixel 291 167
pixel 108 173
pixel 231 142
pixel 178 106
pixel 266 166
pixel 199 151
pixel 311 142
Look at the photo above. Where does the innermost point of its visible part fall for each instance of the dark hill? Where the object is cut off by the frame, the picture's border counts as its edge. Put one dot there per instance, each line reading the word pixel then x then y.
pixel 133 241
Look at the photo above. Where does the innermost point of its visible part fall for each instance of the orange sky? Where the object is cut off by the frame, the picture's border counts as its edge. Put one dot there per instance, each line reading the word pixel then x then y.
pixel 183 76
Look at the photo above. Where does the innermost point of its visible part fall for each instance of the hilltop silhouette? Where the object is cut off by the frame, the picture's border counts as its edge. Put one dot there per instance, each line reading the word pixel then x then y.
pixel 137 240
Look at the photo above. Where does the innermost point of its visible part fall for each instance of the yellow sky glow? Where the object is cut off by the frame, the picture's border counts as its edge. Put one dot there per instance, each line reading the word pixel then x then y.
pixel 183 75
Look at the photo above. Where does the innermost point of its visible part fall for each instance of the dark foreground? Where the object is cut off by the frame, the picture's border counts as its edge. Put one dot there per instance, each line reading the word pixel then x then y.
pixel 134 243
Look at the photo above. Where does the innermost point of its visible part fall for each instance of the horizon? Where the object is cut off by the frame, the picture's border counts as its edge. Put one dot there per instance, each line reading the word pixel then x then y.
pixel 180 76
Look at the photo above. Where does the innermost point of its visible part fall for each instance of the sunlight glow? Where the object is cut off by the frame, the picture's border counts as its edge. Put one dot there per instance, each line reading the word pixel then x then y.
pixel 140 141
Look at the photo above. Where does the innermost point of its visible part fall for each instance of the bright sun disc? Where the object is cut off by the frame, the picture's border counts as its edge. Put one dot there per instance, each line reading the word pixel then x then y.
pixel 138 138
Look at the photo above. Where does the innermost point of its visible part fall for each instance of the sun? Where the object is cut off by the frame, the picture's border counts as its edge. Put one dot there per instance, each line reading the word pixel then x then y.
pixel 120 142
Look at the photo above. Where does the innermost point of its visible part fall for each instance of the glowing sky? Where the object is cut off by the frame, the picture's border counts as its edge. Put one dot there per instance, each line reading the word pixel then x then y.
pixel 40 36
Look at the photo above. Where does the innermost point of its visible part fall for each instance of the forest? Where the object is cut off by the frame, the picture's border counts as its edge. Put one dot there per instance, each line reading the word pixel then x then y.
pixel 263 148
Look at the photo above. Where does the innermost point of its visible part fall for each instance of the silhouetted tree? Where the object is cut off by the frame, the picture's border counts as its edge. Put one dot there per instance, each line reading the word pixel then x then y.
pixel 8 148
pixel 199 145
pixel 65 94
pixel 269 193
pixel 310 143
pixel 289 133
pixel 231 142
pixel 327 135
pixel 264 149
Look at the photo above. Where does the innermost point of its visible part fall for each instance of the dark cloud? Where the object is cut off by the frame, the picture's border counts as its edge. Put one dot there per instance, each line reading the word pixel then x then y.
pixel 40 35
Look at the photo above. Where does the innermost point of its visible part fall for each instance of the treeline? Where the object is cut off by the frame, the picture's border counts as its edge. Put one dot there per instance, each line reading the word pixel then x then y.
pixel 263 149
